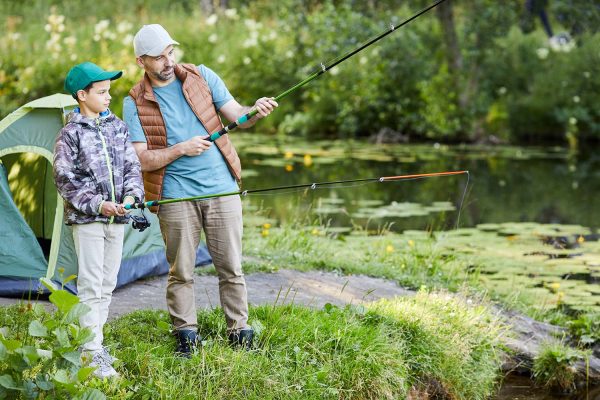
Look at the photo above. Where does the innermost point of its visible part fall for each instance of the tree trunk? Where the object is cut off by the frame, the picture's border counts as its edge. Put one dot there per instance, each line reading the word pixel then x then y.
pixel 445 15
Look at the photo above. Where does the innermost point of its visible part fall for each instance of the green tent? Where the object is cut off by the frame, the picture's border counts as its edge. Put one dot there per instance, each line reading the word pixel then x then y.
pixel 34 241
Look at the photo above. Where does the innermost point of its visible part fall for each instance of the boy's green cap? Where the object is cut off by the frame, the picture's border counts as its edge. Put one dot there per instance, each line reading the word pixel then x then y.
pixel 85 73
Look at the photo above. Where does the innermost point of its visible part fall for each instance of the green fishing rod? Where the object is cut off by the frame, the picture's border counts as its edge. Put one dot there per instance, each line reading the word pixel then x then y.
pixel 312 186
pixel 324 68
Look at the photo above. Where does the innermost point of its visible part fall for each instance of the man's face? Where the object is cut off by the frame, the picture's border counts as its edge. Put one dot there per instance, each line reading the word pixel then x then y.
pixel 160 67
pixel 97 98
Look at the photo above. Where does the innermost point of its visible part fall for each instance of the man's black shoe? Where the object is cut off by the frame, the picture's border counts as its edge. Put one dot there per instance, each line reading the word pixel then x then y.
pixel 242 338
pixel 187 341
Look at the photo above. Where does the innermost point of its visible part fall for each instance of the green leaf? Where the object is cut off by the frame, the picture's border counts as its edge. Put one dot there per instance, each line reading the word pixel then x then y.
pixel 37 329
pixel 84 373
pixel 68 279
pixel 43 384
pixel 74 357
pixel 91 394
pixel 7 382
pixel 63 300
pixel 62 376
pixel 62 337
pixel 3 352
pixel 11 345
pixel 77 311
pixel 48 284
pixel 47 354
pixel 85 335
pixel 30 353
pixel 30 390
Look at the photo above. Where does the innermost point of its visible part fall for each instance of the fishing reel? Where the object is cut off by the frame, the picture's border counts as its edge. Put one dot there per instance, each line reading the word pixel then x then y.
pixel 140 222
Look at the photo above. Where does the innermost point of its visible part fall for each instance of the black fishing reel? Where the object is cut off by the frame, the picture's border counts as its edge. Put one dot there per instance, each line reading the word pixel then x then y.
pixel 140 222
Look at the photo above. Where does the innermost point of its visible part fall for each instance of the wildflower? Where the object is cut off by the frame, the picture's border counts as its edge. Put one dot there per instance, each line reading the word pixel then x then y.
pixel 289 168
pixel 101 26
pixel 411 243
pixel 542 53
pixel 124 26
pixel 289 54
pixel 247 60
pixel 363 60
pixel 580 239
pixel 127 39
pixel 308 160
pixel 554 286
pixel 266 225
pixel 213 38
pixel 502 91
pixel 573 121
pixel 212 19
pixel 265 233
pixel 288 155
pixel 389 248
pixel 576 99
pixel 315 232
pixel 334 71
pixel 587 74
pixel 231 13
pixel 560 297
pixel 221 59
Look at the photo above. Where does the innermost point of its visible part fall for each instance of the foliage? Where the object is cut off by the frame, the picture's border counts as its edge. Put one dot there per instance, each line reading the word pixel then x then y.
pixel 586 327
pixel 355 352
pixel 39 351
pixel 553 366
pixel 501 81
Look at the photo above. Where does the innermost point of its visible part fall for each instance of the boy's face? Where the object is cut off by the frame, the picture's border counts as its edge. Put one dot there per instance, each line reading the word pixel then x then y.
pixel 97 99
pixel 161 67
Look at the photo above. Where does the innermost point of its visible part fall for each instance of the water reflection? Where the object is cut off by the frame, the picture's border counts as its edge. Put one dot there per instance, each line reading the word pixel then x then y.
pixel 507 183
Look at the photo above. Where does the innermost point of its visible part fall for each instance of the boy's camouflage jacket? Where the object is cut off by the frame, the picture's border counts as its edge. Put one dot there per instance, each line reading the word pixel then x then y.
pixel 94 162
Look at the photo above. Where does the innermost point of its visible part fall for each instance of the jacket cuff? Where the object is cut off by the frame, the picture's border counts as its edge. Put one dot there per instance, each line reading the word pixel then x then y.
pixel 100 207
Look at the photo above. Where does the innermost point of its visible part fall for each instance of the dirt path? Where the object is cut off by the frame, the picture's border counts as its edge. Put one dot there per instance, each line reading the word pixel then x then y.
pixel 312 288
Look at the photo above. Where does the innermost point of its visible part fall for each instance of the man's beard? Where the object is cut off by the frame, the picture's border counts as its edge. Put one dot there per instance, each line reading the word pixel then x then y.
pixel 163 76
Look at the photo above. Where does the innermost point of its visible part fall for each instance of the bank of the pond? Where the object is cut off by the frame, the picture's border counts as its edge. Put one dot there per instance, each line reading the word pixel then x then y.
pixel 410 347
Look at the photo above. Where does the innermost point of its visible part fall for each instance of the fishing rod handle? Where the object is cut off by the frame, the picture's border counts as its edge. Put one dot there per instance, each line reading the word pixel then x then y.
pixel 241 120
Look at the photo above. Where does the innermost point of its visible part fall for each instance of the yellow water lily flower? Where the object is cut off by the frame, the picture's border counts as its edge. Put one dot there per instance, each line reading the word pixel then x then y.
pixel 265 233
pixel 289 168
pixel 266 225
pixel 288 155
pixel 389 248
pixel 308 160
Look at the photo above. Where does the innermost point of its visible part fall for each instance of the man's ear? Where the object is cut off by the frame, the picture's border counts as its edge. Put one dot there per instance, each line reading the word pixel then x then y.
pixel 140 62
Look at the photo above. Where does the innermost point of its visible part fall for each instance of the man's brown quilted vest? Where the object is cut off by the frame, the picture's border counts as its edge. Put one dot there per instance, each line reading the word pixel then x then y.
pixel 196 92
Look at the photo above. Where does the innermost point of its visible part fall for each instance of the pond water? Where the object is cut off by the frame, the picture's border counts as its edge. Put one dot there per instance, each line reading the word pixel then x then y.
pixel 506 184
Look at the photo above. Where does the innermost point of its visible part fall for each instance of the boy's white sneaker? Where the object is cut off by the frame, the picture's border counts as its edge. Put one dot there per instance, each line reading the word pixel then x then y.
pixel 103 367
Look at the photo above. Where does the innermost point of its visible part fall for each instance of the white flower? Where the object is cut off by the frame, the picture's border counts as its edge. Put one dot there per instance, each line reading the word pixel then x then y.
pixel 70 40
pixel 542 53
pixel 334 71
pixel 47 28
pixel 250 42
pixel 573 121
pixel 289 54
pixel 73 57
pixel 247 60
pixel 212 19
pixel 231 13
pixel 101 26
pixel 576 99
pixel 221 59
pixel 213 38
pixel 124 26
pixel 587 74
pixel 502 91
pixel 363 60
pixel 127 39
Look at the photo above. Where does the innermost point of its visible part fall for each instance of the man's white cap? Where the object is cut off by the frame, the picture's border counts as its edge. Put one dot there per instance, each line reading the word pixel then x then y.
pixel 151 40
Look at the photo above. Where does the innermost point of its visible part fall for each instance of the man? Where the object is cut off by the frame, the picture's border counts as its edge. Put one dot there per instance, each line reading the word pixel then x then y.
pixel 170 112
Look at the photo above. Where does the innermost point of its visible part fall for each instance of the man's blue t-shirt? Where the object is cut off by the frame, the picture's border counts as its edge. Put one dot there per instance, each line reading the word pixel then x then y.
pixel 187 176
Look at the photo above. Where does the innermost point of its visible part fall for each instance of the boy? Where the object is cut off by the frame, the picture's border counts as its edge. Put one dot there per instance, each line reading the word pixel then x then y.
pixel 97 172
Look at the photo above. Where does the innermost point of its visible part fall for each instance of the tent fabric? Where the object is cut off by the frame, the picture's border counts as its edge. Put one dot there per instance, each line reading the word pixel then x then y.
pixel 34 241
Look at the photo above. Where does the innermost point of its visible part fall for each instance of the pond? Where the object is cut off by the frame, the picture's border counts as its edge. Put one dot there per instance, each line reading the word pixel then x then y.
pixel 510 195
pixel 505 184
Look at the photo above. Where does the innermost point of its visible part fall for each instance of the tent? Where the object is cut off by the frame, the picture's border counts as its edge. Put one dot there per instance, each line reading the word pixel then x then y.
pixel 34 241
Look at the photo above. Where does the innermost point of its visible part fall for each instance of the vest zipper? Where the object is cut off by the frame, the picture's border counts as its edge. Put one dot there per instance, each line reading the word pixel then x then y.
pixel 108 164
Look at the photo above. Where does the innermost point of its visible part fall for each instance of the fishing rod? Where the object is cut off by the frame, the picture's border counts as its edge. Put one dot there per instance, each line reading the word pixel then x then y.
pixel 312 186
pixel 324 68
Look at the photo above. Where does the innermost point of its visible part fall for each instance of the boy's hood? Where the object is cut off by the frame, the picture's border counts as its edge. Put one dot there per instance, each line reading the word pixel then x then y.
pixel 76 117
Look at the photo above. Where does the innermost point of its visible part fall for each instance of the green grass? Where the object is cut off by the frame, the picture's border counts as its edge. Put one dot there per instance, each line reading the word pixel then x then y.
pixel 378 351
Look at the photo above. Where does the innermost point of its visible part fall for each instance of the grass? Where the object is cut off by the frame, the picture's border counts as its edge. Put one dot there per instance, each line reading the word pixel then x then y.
pixel 429 342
